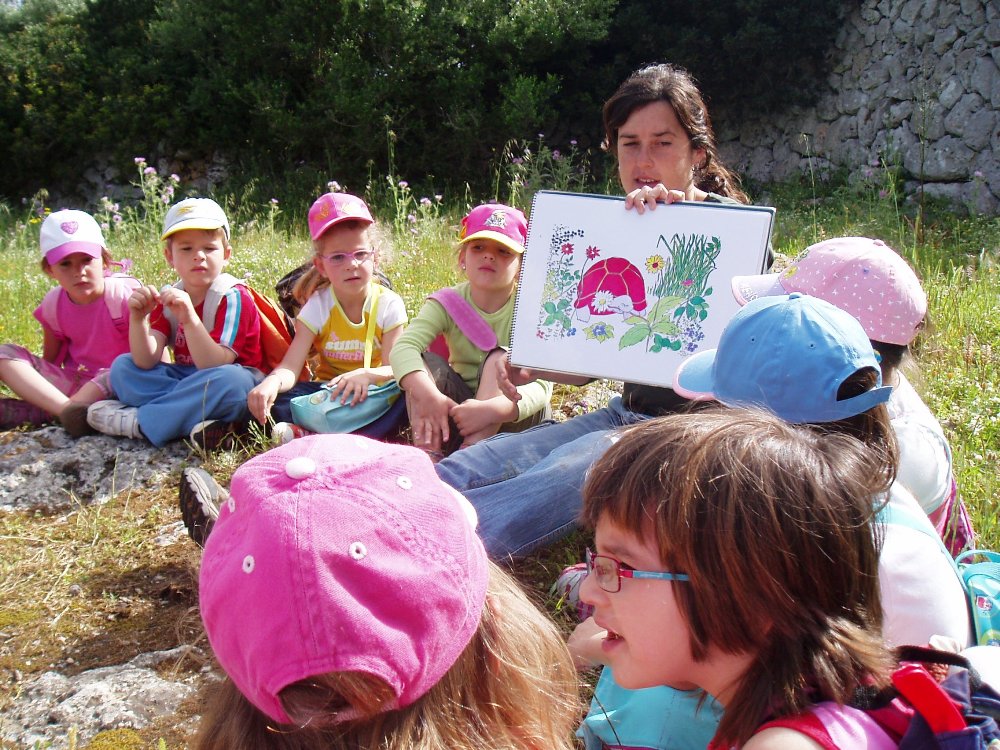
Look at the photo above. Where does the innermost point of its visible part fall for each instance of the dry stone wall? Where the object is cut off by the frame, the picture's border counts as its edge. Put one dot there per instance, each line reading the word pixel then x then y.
pixel 915 84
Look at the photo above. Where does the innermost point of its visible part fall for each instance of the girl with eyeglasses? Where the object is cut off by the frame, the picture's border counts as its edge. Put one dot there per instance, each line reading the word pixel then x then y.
pixel 342 307
pixel 456 401
pixel 736 558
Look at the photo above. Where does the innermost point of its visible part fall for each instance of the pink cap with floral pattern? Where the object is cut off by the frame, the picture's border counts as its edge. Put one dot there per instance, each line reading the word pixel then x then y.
pixel 862 276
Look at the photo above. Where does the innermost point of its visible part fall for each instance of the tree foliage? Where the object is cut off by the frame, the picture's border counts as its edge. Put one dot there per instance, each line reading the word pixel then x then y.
pixel 273 86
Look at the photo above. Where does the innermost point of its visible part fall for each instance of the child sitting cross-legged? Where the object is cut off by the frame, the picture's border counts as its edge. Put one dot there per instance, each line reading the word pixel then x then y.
pixel 458 402
pixel 84 327
pixel 348 318
pixel 203 393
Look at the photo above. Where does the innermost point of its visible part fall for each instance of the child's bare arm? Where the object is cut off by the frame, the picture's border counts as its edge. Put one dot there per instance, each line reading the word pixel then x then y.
pixel 262 397
pixel 51 345
pixel 428 409
pixel 145 345
pixel 205 351
pixel 352 387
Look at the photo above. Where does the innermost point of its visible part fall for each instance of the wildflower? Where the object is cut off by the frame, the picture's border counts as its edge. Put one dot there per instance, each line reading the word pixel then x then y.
pixel 517 160
pixel 883 193
pixel 117 218
pixel 274 201
pixel 602 301
pixel 149 170
pixel 567 248
pixel 593 252
pixel 978 174
pixel 169 192
pixel 412 218
pixel 541 135
pixel 572 142
pixel 654 263
pixel 403 184
pixel 439 198
pixel 140 160
pixel 425 201
pixel 556 156
pixel 165 198
pixel 175 178
pixel 333 186
pixel 105 226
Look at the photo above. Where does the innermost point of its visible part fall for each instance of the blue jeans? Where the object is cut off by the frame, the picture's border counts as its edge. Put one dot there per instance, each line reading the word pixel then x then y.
pixel 172 399
pixel 527 486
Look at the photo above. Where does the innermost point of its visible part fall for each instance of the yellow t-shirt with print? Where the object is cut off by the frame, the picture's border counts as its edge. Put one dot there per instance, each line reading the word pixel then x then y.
pixel 340 342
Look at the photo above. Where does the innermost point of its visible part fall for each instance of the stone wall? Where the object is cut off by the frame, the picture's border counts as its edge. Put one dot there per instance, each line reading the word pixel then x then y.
pixel 914 84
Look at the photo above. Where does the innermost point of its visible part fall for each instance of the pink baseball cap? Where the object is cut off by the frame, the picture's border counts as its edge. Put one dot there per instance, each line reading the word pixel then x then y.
pixel 339 553
pixel 333 208
pixel 864 277
pixel 69 231
pixel 495 221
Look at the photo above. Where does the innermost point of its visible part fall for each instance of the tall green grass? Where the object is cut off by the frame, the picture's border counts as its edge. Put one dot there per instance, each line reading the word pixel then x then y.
pixel 956 360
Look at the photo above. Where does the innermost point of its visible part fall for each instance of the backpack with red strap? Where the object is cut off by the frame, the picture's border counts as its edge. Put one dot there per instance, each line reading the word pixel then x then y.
pixel 919 711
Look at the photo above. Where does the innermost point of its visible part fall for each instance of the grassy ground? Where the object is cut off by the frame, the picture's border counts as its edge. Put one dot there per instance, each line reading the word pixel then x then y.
pixel 91 587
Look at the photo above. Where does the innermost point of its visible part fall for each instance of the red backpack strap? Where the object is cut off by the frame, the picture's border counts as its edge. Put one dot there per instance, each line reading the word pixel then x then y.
pixel 469 321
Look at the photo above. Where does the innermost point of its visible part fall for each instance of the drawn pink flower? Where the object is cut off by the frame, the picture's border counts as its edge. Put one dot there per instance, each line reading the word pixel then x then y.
pixel 567 248
pixel 593 252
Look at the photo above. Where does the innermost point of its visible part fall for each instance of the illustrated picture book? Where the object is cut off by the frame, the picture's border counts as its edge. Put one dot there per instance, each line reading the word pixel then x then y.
pixel 608 293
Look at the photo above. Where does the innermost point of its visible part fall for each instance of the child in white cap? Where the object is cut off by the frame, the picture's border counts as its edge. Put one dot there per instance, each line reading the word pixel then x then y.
pixel 84 326
pixel 868 279
pixel 204 390
pixel 458 402
pixel 346 595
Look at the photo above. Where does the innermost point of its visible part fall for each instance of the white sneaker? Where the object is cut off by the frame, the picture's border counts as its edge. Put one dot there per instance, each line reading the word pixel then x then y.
pixel 115 418
pixel 286 432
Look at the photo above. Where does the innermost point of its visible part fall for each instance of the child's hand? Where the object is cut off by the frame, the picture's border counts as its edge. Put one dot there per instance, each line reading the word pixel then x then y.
pixel 647 196
pixel 352 387
pixel 585 644
pixel 179 303
pixel 143 301
pixel 477 419
pixel 510 377
pixel 261 398
pixel 429 419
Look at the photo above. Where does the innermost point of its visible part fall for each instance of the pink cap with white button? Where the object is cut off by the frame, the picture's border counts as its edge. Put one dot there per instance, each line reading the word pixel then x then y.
pixel 862 276
pixel 337 553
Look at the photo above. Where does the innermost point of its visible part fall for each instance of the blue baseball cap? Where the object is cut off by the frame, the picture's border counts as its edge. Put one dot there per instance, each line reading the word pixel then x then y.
pixel 789 355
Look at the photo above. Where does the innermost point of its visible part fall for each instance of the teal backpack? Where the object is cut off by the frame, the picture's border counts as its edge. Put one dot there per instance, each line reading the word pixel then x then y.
pixel 982 582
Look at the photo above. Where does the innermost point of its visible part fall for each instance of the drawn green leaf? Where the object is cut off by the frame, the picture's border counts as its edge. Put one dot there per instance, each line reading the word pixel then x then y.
pixel 633 336
pixel 667 327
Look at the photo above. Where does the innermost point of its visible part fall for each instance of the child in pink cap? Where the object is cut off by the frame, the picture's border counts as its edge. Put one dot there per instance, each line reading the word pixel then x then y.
pixel 343 308
pixel 868 279
pixel 84 327
pixel 346 595
pixel 457 402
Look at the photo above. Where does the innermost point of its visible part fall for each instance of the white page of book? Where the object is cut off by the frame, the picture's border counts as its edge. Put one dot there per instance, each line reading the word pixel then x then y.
pixel 608 293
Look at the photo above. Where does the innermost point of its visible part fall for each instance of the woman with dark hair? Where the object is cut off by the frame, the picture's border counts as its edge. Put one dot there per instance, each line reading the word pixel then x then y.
pixel 526 486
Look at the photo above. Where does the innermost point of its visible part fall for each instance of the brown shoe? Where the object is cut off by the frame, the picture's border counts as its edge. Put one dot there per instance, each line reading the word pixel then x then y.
pixel 74 419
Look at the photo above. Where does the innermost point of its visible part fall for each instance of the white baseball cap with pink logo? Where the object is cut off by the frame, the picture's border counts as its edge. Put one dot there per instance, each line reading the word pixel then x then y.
pixel 862 276
pixel 69 231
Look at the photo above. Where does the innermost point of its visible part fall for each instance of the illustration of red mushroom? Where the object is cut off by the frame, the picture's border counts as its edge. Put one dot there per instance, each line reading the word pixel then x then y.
pixel 612 285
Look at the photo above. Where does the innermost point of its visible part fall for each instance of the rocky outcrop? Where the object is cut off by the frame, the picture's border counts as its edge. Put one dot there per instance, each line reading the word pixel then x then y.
pixel 915 85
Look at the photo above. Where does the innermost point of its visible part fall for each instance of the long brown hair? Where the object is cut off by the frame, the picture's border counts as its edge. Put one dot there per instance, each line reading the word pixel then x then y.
pixel 773 524
pixel 513 688
pixel 675 86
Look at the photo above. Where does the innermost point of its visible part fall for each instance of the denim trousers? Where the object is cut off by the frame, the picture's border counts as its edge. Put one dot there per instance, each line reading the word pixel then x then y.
pixel 526 486
pixel 172 399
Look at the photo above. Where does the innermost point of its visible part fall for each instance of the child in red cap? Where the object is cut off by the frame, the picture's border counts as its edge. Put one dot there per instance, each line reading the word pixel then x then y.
pixel 457 402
